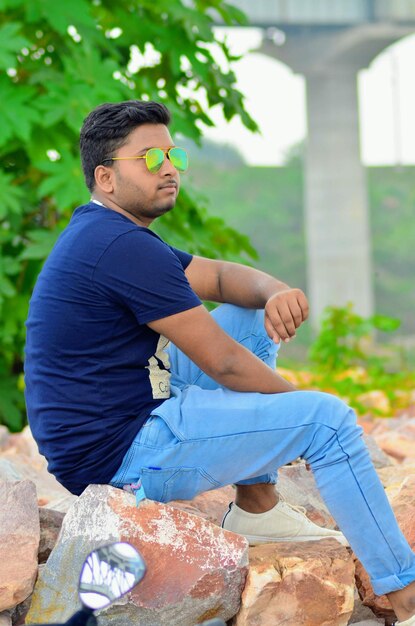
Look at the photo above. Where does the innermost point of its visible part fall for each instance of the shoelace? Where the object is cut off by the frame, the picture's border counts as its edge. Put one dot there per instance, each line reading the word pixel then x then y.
pixel 293 507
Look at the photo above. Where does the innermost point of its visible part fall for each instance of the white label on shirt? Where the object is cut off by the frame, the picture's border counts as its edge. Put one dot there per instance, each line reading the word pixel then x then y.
pixel 160 376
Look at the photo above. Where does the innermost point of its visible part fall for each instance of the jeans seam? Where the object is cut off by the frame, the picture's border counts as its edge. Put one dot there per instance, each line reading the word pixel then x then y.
pixel 253 432
pixel 367 504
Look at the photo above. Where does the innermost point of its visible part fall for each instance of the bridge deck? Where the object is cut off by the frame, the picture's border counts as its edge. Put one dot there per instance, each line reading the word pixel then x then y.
pixel 326 12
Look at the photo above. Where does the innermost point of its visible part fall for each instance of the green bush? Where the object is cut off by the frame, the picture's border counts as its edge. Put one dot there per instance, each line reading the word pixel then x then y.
pixel 340 342
pixel 348 362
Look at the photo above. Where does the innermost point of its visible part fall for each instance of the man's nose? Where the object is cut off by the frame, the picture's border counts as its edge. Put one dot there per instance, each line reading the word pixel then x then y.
pixel 168 169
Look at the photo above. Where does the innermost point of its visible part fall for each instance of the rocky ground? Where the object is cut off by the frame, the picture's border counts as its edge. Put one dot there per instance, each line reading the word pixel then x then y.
pixel 195 569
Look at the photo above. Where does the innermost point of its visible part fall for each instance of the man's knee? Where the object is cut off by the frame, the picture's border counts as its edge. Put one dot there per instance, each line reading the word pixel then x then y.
pixel 245 325
pixel 227 313
pixel 331 410
pixel 335 431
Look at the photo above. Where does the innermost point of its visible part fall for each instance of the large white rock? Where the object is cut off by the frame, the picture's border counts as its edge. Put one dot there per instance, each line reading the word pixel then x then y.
pixel 195 570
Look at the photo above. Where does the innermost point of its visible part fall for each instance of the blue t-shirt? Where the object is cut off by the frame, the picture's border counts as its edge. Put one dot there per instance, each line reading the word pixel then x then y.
pixel 94 370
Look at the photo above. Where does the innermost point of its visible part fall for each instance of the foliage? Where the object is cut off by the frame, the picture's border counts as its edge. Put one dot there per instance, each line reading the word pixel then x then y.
pixel 57 61
pixel 339 344
pixel 349 363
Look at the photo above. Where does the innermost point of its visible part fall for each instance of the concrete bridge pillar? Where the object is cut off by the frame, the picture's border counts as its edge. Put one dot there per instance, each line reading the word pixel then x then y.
pixel 336 206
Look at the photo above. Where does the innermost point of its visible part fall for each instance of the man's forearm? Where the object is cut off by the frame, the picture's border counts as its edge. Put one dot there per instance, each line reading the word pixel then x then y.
pixel 246 286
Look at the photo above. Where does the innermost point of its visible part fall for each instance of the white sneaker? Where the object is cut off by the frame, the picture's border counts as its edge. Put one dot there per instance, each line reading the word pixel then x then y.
pixel 284 522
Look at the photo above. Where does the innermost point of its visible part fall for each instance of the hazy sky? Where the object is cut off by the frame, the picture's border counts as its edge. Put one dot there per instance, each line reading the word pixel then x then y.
pixel 275 97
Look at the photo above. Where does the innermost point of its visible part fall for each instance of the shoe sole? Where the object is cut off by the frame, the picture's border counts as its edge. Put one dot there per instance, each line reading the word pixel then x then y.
pixel 254 540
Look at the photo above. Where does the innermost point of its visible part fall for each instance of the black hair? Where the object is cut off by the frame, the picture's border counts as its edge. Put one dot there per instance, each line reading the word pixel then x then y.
pixel 107 127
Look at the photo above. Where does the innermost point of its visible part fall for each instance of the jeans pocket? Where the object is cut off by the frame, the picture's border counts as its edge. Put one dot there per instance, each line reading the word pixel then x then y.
pixel 176 483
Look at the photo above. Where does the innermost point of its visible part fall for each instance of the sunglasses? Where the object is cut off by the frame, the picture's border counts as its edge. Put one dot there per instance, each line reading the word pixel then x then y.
pixel 155 158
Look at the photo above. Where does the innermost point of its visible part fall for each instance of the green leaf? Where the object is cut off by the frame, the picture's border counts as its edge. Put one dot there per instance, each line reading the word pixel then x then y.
pixel 71 100
pixel 6 286
pixel 11 266
pixel 60 15
pixel 14 314
pixel 16 110
pixel 40 244
pixel 64 181
pixel 384 323
pixel 10 195
pixel 11 43
pixel 11 401
pixel 231 15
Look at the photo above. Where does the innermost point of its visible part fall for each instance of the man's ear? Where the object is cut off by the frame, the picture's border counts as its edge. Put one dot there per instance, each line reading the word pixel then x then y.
pixel 104 178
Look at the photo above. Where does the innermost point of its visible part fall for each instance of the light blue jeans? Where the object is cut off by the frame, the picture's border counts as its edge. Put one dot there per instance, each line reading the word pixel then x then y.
pixel 206 436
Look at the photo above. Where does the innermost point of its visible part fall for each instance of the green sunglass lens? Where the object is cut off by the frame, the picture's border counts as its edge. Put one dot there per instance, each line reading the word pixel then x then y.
pixel 154 159
pixel 179 159
pixel 177 156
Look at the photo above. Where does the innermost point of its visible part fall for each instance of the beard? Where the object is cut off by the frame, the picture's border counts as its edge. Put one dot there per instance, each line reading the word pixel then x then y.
pixel 140 205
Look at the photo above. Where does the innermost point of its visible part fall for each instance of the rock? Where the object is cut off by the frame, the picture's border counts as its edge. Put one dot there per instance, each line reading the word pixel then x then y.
pixel 355 374
pixel 396 437
pixel 58 503
pixel 403 505
pixel 50 525
pixel 19 541
pixel 376 400
pixel 20 612
pixel 379 605
pixel 409 409
pixel 4 437
pixel 24 444
pixel 21 460
pixel 361 614
pixel 392 477
pixel 298 584
pixel 195 570
pixel 396 444
pixel 5 618
pixel 9 471
pixel 378 456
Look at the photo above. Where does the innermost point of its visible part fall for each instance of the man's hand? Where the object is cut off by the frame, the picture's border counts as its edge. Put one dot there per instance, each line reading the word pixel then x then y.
pixel 285 311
